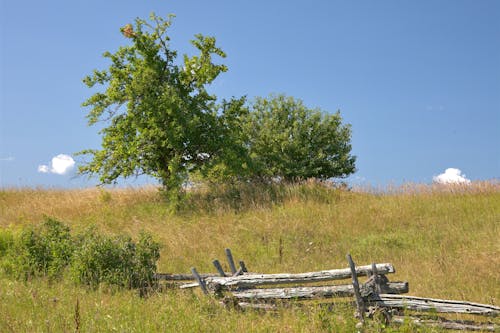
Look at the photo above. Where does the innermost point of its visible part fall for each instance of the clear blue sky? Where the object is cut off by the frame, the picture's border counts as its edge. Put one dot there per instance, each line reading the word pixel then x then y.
pixel 418 80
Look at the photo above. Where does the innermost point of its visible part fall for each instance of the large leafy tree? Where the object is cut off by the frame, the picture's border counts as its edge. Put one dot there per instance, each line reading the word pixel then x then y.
pixel 285 139
pixel 161 120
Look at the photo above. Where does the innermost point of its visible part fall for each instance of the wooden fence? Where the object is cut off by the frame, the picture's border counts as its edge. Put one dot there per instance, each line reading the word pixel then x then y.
pixel 377 295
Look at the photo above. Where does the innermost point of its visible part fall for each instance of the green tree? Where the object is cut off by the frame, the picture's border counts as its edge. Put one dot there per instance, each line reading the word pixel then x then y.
pixel 288 140
pixel 161 119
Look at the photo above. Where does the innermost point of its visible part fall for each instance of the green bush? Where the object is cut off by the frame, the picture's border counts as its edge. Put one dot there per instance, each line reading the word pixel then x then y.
pixel 91 258
pixel 42 251
pixel 115 261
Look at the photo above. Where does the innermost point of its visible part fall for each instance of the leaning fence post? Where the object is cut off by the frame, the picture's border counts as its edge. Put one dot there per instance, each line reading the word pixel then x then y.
pixel 200 281
pixel 230 261
pixel 219 267
pixel 243 267
pixel 359 301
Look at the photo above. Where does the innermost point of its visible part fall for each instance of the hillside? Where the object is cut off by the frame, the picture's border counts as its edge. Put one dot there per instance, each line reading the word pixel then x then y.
pixel 443 241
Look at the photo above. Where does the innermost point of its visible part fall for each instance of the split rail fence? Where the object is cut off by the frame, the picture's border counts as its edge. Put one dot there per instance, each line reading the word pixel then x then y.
pixel 377 294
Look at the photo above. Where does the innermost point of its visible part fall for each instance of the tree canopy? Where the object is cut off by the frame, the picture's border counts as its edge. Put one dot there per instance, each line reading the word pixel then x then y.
pixel 162 121
pixel 290 141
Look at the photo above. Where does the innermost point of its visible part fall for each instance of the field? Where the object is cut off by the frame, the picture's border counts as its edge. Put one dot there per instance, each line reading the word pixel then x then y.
pixel 444 241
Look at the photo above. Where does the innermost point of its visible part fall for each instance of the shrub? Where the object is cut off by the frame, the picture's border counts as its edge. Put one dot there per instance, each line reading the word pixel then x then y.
pixel 43 251
pixel 115 260
pixel 92 258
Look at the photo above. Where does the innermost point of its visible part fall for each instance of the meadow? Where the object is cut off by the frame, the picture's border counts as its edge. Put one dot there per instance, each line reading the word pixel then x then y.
pixel 443 240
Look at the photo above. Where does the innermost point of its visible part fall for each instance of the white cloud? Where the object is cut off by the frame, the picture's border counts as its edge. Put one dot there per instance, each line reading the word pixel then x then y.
pixel 7 159
pixel 451 176
pixel 60 165
pixel 43 168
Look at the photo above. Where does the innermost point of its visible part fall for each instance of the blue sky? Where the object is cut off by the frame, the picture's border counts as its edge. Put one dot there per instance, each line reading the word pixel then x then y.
pixel 418 80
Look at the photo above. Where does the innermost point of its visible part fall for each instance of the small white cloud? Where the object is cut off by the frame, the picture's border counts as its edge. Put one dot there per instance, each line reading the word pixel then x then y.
pixel 43 168
pixel 60 165
pixel 7 159
pixel 451 176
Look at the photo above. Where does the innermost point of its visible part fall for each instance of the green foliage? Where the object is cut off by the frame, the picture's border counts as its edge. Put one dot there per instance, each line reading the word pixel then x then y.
pixel 92 258
pixel 162 120
pixel 115 261
pixel 290 141
pixel 6 241
pixel 43 251
pixel 231 162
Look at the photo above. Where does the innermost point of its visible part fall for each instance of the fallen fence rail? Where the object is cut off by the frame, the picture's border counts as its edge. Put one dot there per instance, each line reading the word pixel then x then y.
pixel 303 293
pixel 377 294
pixel 433 304
pixel 252 280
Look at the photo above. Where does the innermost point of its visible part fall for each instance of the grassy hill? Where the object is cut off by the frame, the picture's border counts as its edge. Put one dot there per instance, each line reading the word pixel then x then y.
pixel 444 241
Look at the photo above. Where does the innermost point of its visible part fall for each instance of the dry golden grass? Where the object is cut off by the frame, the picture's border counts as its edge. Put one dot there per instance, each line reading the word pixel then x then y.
pixel 443 240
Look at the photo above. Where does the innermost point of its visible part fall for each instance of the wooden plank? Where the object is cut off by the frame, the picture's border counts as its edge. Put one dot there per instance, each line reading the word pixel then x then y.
pixel 360 304
pixel 219 267
pixel 433 304
pixel 251 280
pixel 305 293
pixel 230 260
pixel 200 281
pixel 447 324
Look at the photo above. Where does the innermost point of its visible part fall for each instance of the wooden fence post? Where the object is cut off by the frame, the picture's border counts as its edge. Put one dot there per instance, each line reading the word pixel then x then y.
pixel 200 281
pixel 243 267
pixel 219 268
pixel 230 261
pixel 360 305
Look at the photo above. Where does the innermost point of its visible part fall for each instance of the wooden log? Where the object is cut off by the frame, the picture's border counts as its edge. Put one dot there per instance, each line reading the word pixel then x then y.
pixel 360 304
pixel 376 284
pixel 180 277
pixel 447 324
pixel 304 293
pixel 433 304
pixel 250 280
pixel 189 285
pixel 219 267
pixel 200 281
pixel 184 277
pixel 230 260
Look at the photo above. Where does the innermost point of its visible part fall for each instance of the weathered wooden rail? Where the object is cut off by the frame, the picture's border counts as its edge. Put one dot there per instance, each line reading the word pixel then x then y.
pixel 432 304
pixel 377 294
pixel 304 293
pixel 253 280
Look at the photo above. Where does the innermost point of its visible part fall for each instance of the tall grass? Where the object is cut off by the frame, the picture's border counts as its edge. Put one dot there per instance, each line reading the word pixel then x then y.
pixel 443 240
